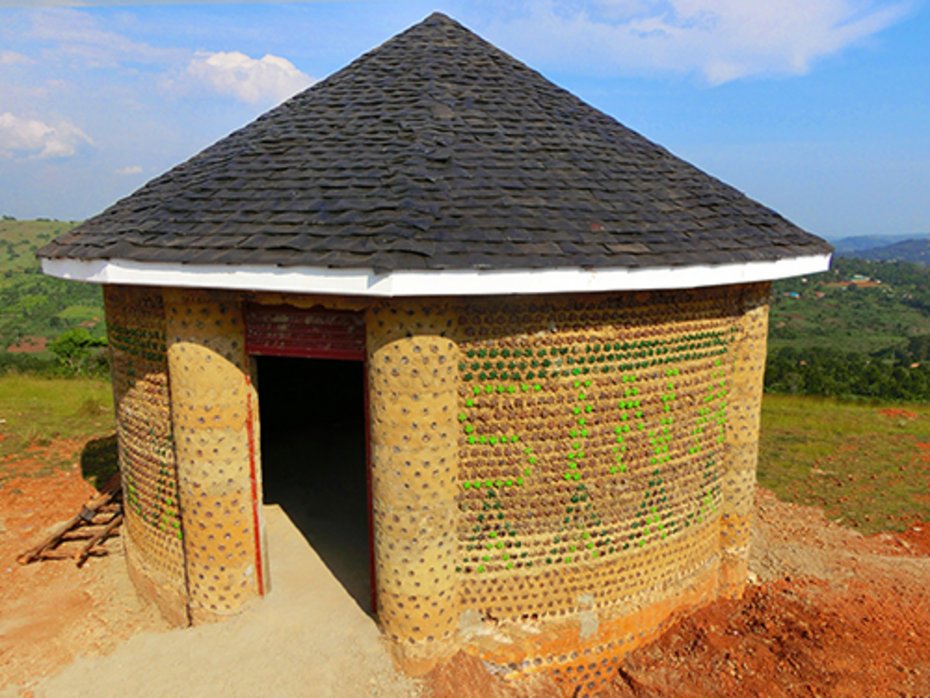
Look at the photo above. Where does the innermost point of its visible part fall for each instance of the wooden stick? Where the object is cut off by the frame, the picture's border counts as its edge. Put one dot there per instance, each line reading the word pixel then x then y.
pixel 99 537
pixel 55 555
pixel 84 533
pixel 66 555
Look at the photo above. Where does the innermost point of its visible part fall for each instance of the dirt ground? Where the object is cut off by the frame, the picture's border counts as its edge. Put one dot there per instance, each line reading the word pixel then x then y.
pixel 73 632
pixel 831 613
pixel 52 612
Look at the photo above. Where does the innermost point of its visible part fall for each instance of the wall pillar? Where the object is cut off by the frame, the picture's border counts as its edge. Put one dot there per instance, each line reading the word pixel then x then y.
pixel 153 534
pixel 214 412
pixel 412 375
pixel 744 412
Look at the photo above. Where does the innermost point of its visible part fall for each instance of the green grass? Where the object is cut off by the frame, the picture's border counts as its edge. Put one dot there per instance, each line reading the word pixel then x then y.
pixel 82 313
pixel 36 411
pixel 864 468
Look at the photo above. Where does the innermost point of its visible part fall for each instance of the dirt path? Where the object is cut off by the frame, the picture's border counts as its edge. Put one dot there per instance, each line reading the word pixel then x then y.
pixel 833 613
pixel 308 637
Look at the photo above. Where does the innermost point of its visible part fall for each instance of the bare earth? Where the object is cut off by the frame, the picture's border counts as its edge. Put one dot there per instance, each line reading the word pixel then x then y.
pixel 832 614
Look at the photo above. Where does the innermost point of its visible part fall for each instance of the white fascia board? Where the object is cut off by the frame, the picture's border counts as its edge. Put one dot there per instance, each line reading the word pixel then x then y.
pixel 365 282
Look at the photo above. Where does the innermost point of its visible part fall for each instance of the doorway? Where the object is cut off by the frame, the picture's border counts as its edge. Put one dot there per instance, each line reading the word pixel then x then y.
pixel 313 431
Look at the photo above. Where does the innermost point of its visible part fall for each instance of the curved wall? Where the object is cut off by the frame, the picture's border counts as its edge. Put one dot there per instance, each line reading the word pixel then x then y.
pixel 552 477
pixel 153 532
pixel 598 469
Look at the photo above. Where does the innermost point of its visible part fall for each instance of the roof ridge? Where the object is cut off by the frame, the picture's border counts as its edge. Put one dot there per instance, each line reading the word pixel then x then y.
pixel 439 16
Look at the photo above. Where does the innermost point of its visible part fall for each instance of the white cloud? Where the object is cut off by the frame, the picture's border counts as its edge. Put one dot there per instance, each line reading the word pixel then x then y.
pixel 721 40
pixel 79 37
pixel 129 170
pixel 13 58
pixel 31 137
pixel 270 79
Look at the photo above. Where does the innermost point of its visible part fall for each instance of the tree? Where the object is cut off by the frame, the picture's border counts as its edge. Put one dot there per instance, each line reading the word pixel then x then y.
pixel 78 350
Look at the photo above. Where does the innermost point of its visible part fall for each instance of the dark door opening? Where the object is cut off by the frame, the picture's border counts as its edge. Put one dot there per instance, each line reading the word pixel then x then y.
pixel 314 459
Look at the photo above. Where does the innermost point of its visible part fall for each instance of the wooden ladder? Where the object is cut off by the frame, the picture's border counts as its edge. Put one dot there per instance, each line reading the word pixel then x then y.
pixel 84 534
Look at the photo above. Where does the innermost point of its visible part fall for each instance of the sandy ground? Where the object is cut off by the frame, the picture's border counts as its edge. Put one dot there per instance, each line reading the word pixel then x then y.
pixel 832 613
pixel 307 638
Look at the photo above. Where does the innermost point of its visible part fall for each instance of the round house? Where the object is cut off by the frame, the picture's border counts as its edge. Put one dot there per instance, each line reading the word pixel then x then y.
pixel 515 346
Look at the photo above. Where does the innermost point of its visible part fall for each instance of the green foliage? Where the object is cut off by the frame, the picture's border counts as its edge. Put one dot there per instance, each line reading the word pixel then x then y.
pixel 830 372
pixel 830 337
pixel 33 306
pixel 79 352
pixel 27 363
pixel 867 466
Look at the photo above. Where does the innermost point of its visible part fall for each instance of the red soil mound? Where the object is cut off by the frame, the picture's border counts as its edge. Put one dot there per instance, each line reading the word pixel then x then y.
pixel 791 638
pixel 917 538
pixel 837 614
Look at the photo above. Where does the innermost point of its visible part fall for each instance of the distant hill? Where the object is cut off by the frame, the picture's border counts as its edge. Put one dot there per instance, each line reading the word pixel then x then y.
pixel 858 306
pixel 858 246
pixel 914 251
pixel 862 328
pixel 34 308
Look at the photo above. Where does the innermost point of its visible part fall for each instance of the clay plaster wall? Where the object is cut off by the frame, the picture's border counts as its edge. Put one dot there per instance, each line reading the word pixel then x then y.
pixel 552 477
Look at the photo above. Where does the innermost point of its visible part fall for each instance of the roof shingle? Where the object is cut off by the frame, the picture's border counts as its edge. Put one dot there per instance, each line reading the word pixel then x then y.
pixel 436 151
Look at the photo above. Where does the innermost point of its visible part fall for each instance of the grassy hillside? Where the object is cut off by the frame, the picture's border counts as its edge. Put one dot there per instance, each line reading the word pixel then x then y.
pixel 34 308
pixel 866 465
pixel 861 329
pixel 39 417
pixel 856 307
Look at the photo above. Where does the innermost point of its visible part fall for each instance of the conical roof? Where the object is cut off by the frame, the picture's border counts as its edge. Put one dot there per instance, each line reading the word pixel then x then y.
pixel 436 152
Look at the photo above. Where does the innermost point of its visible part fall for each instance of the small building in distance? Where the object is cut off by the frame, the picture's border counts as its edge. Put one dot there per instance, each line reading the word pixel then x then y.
pixel 509 351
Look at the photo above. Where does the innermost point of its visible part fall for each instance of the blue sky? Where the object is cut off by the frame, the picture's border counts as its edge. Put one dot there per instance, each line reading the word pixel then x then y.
pixel 817 108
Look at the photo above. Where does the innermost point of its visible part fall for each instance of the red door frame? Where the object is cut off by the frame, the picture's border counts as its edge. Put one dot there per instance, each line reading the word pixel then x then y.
pixel 336 334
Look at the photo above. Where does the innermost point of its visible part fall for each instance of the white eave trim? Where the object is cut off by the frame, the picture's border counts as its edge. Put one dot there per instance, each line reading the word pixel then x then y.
pixel 365 282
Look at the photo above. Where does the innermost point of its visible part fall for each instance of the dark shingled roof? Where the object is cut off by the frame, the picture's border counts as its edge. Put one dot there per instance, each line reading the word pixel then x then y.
pixel 436 151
